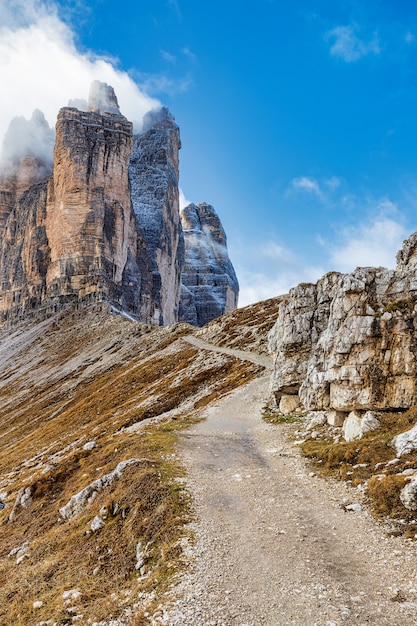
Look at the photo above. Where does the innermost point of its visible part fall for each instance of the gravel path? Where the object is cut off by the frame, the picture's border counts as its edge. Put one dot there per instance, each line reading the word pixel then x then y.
pixel 259 359
pixel 273 544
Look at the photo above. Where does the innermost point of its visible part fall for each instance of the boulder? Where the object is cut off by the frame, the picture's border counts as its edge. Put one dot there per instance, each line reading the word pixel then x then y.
pixel 336 418
pixel 289 404
pixel 408 494
pixel 357 424
pixel 405 442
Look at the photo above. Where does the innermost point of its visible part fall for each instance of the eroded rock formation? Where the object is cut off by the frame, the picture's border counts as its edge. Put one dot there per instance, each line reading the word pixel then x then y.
pixel 99 221
pixel 209 283
pixel 349 342
pixel 154 177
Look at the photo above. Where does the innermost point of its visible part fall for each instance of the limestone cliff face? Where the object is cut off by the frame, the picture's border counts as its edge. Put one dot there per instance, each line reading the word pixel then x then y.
pixel 24 253
pixel 350 341
pixel 209 284
pixel 153 176
pixel 79 222
pixel 101 220
pixel 90 224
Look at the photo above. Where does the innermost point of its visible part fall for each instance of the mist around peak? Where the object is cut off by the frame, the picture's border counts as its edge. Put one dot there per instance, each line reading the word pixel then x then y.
pixel 28 138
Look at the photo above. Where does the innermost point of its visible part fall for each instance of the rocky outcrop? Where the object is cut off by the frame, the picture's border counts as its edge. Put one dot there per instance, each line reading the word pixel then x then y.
pixel 153 174
pixel 90 223
pixel 209 284
pixel 349 342
pixel 73 236
pixel 100 221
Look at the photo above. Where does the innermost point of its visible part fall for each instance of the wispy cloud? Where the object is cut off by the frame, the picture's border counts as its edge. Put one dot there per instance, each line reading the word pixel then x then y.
pixel 167 56
pixel 373 242
pixel 189 54
pixel 183 200
pixel 156 84
pixel 306 184
pixel 275 268
pixel 175 7
pixel 257 285
pixel 347 45
pixel 42 67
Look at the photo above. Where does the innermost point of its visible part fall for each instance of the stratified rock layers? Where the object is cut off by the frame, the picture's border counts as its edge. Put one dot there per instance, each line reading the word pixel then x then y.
pixel 209 283
pixel 349 342
pixel 74 236
pixel 102 222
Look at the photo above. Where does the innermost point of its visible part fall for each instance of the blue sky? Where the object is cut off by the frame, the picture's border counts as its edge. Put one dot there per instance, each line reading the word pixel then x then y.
pixel 298 120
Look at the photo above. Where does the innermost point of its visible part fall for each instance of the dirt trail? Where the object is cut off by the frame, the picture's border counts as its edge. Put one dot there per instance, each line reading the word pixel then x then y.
pixel 259 359
pixel 273 545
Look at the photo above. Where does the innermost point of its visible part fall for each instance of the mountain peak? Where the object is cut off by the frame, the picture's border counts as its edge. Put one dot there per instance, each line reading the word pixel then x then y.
pixel 102 99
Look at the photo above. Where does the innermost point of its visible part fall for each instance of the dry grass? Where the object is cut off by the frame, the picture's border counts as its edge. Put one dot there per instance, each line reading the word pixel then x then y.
pixel 367 462
pixel 81 377
pixel 245 328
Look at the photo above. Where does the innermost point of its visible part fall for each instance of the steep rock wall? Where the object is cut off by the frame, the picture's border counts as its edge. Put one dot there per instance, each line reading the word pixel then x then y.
pixel 82 215
pixel 349 342
pixel 100 221
pixel 153 174
pixel 209 284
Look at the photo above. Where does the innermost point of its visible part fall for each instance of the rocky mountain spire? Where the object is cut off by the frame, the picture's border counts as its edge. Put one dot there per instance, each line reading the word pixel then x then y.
pixel 209 284
pixel 105 224
pixel 153 175
pixel 102 99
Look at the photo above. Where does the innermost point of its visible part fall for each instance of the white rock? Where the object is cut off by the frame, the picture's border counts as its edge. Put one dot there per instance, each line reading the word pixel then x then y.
pixel 38 604
pixel 355 507
pixel 103 512
pixel 370 422
pixel 356 425
pixel 80 500
pixel 90 445
pixel 335 418
pixel 352 426
pixel 289 404
pixel 405 442
pixel 71 594
pixel 408 494
pixel 97 523
pixel 21 558
pixel 20 550
pixel 140 555
pixel 316 418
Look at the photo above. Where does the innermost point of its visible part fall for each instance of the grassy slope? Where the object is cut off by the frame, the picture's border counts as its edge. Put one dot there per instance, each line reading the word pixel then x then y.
pixel 93 376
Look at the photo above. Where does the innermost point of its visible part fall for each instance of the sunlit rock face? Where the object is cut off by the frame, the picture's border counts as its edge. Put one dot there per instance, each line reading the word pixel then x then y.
pixel 209 284
pixel 90 224
pixel 349 342
pixel 74 237
pixel 97 219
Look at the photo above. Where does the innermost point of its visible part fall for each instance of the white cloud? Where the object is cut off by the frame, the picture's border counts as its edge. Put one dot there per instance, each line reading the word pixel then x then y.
pixel 372 243
pixel 274 270
pixel 41 67
pixel 159 83
pixel 258 285
pixel 348 46
pixel 276 252
pixel 183 200
pixel 333 183
pixel 307 184
pixel 167 56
